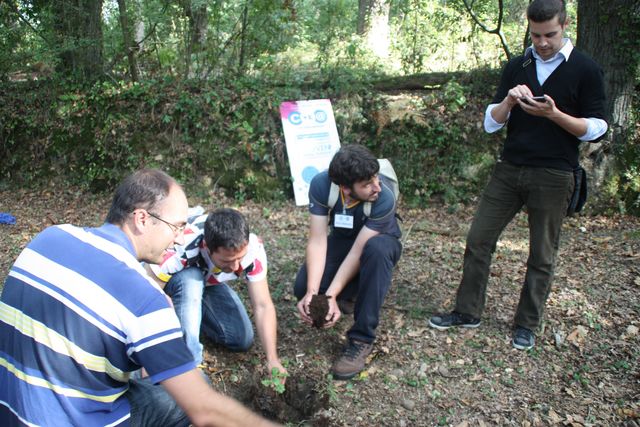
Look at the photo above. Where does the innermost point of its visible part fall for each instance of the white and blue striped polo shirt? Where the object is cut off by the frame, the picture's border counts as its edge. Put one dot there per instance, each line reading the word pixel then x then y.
pixel 78 314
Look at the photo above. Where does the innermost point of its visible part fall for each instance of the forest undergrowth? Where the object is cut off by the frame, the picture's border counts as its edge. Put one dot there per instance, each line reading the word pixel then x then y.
pixel 582 372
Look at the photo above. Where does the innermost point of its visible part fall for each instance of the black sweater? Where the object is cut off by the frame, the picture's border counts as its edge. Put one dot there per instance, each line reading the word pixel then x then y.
pixel 577 88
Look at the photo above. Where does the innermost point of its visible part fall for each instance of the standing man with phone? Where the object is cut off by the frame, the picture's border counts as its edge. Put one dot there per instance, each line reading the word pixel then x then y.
pixel 536 166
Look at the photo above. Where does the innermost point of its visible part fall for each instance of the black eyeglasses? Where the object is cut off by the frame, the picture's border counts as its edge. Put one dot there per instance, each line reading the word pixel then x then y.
pixel 175 228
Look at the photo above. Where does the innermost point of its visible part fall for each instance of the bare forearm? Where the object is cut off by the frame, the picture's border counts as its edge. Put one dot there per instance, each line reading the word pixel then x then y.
pixel 348 269
pixel 351 264
pixel 230 413
pixel 316 258
pixel 206 407
pixel 266 325
pixel 500 112
pixel 519 95
pixel 574 125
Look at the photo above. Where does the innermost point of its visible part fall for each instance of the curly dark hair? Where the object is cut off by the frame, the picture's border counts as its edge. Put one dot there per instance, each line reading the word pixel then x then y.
pixel 353 163
pixel 226 228
pixel 545 10
pixel 142 189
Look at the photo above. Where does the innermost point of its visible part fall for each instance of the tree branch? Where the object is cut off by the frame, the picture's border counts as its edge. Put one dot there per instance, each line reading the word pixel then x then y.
pixel 15 10
pixel 497 31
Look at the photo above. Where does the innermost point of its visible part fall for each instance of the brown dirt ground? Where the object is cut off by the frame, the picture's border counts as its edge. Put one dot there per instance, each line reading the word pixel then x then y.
pixel 583 371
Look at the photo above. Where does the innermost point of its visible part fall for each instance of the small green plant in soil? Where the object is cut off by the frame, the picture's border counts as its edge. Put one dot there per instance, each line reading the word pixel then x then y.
pixel 275 380
pixel 327 387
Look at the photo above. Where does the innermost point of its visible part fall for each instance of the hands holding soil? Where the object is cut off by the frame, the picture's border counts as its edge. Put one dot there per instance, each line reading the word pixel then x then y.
pixel 320 311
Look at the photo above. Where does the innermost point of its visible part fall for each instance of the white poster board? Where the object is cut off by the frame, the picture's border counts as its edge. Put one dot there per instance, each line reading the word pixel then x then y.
pixel 312 139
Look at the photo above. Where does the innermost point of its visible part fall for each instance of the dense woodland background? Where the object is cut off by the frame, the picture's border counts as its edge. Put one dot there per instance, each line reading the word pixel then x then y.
pixel 91 89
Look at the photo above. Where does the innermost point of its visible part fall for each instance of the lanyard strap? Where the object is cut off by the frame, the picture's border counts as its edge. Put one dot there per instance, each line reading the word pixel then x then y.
pixel 345 207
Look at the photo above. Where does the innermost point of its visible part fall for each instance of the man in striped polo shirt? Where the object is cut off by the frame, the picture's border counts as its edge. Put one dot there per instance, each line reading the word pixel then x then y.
pixel 78 315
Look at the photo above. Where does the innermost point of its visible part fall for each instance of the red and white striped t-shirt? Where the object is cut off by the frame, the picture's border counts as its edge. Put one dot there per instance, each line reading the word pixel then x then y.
pixel 253 266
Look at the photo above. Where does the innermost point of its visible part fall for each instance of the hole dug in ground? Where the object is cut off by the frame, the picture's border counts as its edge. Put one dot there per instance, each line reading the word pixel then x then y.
pixel 305 401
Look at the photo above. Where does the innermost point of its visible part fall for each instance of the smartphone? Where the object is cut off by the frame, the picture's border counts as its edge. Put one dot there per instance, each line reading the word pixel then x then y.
pixel 535 98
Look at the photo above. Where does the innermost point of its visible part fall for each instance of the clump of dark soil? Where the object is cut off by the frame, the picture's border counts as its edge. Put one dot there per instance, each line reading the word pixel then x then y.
pixel 318 309
pixel 304 400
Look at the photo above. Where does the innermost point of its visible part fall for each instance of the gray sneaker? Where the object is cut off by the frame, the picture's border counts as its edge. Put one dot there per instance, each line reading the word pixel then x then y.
pixel 443 322
pixel 523 338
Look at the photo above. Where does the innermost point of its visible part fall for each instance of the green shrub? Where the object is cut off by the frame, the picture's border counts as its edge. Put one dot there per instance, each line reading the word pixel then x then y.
pixel 226 134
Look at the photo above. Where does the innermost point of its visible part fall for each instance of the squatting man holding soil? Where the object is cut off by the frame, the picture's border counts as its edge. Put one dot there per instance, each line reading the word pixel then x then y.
pixel 536 166
pixel 355 261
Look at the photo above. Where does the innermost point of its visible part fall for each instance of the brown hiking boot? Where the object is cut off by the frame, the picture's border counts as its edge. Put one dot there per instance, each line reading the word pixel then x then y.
pixel 352 360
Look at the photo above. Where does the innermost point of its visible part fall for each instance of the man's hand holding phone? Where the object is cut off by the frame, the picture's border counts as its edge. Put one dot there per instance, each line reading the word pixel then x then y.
pixel 541 106
pixel 520 95
pixel 534 98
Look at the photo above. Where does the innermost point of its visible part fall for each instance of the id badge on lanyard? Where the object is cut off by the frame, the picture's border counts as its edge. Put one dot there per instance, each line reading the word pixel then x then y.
pixel 343 221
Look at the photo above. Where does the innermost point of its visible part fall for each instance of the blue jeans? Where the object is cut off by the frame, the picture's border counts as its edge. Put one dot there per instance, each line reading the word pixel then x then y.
pixel 152 406
pixel 216 310
pixel 369 287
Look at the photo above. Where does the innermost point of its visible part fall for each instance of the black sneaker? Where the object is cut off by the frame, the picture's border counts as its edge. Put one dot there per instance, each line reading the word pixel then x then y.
pixel 523 338
pixel 443 322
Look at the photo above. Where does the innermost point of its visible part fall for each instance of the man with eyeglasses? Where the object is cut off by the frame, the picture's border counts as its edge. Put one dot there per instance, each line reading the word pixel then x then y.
pixel 178 229
pixel 218 248
pixel 79 314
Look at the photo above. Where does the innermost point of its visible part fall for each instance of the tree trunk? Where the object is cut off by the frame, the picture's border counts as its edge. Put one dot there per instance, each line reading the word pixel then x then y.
pixel 608 30
pixel 243 36
pixel 196 13
pixel 78 26
pixel 373 25
pixel 423 81
pixel 128 43
pixel 363 12
pixel 291 7
pixel 139 33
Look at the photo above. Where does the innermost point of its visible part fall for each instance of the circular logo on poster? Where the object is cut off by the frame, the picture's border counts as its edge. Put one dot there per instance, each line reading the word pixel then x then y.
pixel 320 116
pixel 308 173
pixel 294 118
